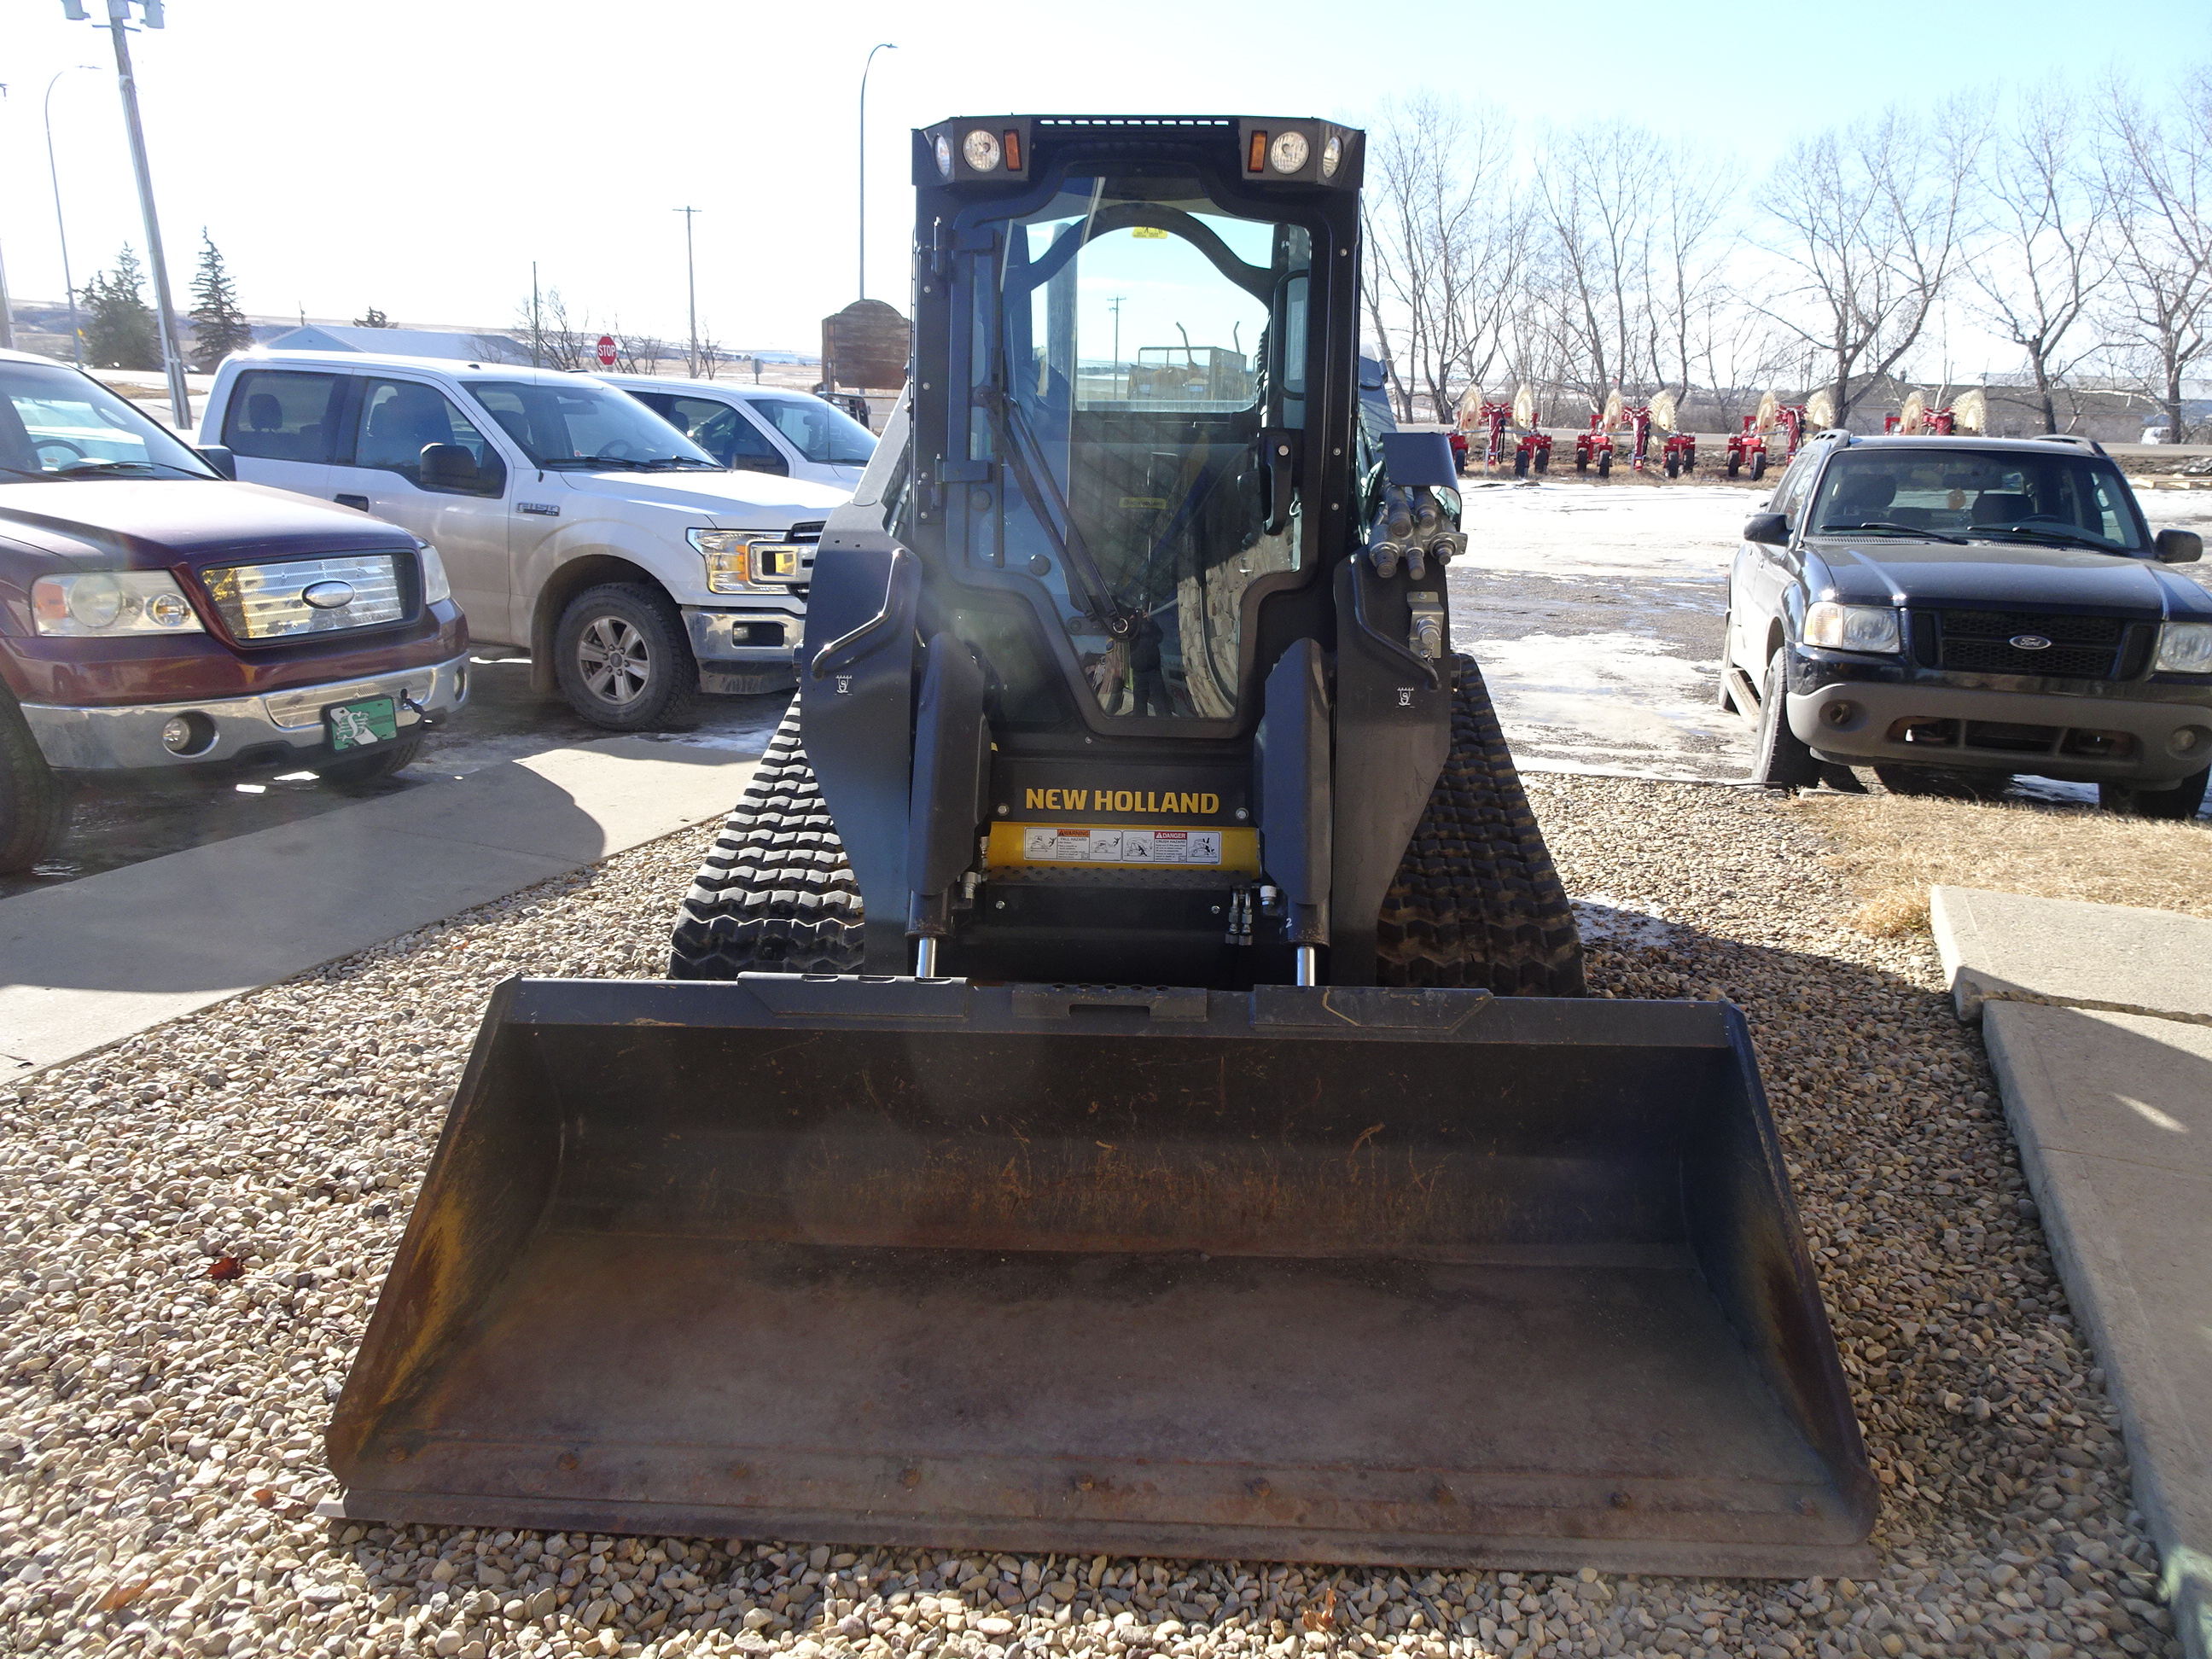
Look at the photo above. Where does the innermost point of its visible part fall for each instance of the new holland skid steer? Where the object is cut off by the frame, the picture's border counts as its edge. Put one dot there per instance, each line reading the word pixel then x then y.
pixel 1125 1083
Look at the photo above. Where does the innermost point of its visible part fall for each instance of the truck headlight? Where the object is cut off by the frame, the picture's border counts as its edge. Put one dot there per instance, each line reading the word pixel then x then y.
pixel 436 585
pixel 105 602
pixel 1851 627
pixel 729 556
pixel 2184 649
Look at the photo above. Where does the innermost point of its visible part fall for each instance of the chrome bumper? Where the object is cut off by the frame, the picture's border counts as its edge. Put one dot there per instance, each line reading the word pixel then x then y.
pixel 735 658
pixel 130 738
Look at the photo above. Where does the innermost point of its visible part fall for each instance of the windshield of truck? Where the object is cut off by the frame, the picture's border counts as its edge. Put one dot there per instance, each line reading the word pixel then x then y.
pixel 1133 341
pixel 821 432
pixel 58 423
pixel 576 426
pixel 2069 497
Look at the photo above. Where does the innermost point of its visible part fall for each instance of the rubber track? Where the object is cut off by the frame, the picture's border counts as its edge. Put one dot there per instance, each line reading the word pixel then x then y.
pixel 775 894
pixel 1477 902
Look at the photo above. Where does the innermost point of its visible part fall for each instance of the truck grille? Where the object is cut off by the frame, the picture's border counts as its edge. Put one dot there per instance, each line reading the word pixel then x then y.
pixel 269 601
pixel 1980 642
pixel 807 537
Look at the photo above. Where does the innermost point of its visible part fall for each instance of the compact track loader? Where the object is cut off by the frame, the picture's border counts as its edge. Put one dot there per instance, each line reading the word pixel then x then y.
pixel 1125 1083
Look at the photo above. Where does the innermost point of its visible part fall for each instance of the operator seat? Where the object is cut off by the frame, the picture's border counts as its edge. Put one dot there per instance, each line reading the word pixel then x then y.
pixel 2002 507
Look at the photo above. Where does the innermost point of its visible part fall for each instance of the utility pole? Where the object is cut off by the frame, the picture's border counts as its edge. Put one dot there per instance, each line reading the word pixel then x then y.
pixel 61 229
pixel 691 285
pixel 881 45
pixel 119 26
pixel 533 315
pixel 1115 303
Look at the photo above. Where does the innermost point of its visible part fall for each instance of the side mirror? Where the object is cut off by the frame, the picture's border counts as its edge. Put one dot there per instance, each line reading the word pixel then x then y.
pixel 449 467
pixel 2178 546
pixel 1768 529
pixel 220 459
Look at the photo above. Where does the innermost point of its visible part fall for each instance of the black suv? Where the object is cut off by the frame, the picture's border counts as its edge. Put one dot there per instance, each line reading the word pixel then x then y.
pixel 1953 610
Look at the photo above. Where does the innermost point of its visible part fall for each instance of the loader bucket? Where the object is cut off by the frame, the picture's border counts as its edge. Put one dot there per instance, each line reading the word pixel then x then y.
pixel 1419 1277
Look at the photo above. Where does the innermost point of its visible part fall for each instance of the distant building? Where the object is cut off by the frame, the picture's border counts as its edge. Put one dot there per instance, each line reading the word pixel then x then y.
pixel 401 341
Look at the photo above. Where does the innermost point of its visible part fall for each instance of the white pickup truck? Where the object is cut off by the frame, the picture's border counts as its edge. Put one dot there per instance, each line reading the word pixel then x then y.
pixel 576 523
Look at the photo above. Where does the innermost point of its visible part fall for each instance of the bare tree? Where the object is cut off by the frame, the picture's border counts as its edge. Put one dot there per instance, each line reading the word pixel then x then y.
pixel 558 340
pixel 2045 252
pixel 1867 220
pixel 1446 237
pixel 1592 192
pixel 636 353
pixel 1692 246
pixel 2158 172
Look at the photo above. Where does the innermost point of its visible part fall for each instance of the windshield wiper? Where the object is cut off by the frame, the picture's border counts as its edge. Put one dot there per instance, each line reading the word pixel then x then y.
pixel 570 463
pixel 112 468
pixel 1919 531
pixel 2060 538
pixel 658 462
pixel 1005 414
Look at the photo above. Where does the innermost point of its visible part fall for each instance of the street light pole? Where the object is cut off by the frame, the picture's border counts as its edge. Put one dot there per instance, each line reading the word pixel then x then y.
pixel 691 288
pixel 173 359
pixel 61 229
pixel 881 45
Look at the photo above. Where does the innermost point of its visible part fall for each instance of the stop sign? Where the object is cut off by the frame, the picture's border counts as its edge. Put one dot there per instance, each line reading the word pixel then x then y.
pixel 606 350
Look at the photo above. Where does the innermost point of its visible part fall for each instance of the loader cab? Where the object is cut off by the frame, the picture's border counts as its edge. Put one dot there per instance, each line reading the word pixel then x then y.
pixel 1141 341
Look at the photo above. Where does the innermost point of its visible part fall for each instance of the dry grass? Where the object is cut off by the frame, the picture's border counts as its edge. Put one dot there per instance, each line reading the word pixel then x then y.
pixel 1893 849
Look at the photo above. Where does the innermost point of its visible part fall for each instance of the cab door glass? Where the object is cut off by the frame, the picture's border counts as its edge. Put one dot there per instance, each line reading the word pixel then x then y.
pixel 399 419
pixel 282 416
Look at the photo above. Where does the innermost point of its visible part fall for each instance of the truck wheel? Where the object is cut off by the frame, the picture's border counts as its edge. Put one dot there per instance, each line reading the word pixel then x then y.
pixel 34 804
pixel 775 894
pixel 354 770
pixel 1783 761
pixel 621 658
pixel 1476 901
pixel 2180 800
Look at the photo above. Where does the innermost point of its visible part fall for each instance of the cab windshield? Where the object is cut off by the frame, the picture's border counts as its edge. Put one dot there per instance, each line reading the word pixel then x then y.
pixel 822 433
pixel 55 423
pixel 2066 498
pixel 577 426
pixel 1137 341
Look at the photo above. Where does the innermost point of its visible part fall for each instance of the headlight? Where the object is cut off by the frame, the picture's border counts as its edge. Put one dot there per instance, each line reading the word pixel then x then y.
pixel 1332 156
pixel 105 602
pixel 435 584
pixel 981 149
pixel 729 558
pixel 944 156
pixel 2184 649
pixel 1851 627
pixel 1289 152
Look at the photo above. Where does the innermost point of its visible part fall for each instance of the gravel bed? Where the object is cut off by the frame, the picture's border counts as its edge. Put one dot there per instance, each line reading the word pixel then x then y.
pixel 197 1221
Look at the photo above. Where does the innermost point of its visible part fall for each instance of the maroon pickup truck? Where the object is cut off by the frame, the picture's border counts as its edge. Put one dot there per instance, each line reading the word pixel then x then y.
pixel 157 616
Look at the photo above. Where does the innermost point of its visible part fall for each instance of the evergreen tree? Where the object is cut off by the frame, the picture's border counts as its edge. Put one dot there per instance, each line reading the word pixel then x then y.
pixel 219 327
pixel 374 320
pixel 119 330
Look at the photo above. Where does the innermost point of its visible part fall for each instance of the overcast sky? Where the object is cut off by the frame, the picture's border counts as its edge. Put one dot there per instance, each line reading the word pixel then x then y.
pixel 417 155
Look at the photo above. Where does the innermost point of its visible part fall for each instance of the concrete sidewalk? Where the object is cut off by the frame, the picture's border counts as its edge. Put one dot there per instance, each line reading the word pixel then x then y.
pixel 86 963
pixel 2098 1024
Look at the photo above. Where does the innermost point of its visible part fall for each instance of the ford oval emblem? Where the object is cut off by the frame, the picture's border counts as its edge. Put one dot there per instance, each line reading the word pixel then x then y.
pixel 2019 641
pixel 328 596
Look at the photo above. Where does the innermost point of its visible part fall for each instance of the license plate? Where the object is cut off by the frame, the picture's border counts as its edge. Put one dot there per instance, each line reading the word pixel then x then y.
pixel 361 725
